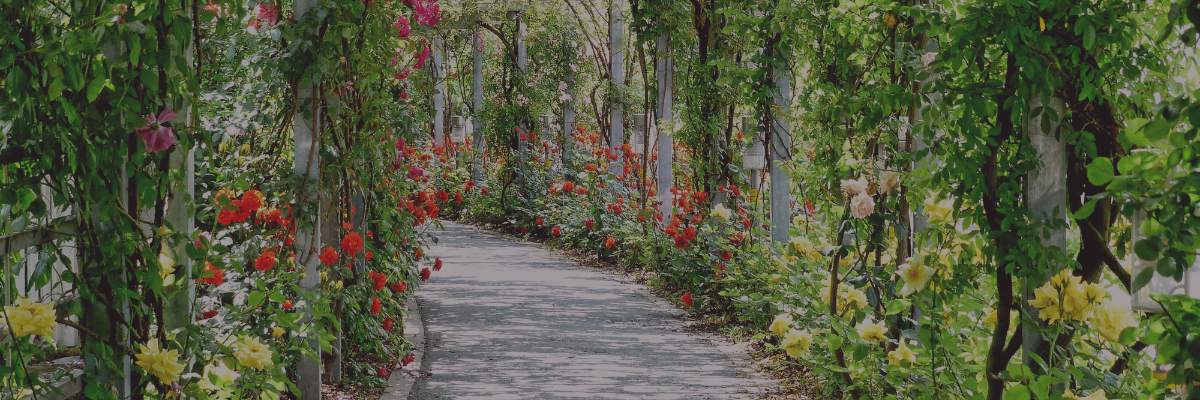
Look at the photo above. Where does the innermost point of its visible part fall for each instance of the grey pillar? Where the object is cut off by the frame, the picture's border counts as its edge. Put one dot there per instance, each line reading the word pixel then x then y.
pixel 178 311
pixel 97 317
pixel 308 165
pixel 477 102
pixel 781 144
pixel 1046 194
pixel 616 115
pixel 665 69
pixel 568 118
pixel 439 93
pixel 522 67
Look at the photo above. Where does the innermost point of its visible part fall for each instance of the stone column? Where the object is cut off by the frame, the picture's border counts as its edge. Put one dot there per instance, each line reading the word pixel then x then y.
pixel 477 101
pixel 664 68
pixel 781 144
pixel 439 93
pixel 568 119
pixel 1046 195
pixel 616 116
pixel 308 165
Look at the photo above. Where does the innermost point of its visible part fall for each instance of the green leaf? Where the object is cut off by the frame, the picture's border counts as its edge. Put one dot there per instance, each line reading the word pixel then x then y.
pixel 1158 130
pixel 1130 334
pixel 255 299
pixel 834 342
pixel 94 89
pixel 1089 37
pixel 56 88
pixel 1142 279
pixel 1019 392
pixel 16 80
pixel 1085 210
pixel 898 305
pixel 1148 249
pixel 1100 171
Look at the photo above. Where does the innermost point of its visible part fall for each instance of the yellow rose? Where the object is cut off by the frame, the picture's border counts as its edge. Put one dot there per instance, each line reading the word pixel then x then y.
pixel 902 355
pixel 938 211
pixel 805 248
pixel 167 260
pixel 915 275
pixel 721 213
pixel 797 342
pixel 223 377
pixel 29 318
pixel 872 331
pixel 223 147
pixel 163 364
pixel 781 324
pixel 277 332
pixel 252 353
pixel 1045 298
pixel 1110 320
pixel 854 299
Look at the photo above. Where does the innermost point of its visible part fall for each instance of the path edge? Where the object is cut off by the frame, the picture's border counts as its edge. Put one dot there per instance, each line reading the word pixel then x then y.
pixel 402 380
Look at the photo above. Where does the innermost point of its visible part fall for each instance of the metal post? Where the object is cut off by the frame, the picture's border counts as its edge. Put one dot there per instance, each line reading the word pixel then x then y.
pixel 616 116
pixel 665 69
pixel 307 164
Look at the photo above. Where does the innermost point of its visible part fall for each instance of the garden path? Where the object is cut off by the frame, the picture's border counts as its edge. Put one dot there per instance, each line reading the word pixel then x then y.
pixel 510 320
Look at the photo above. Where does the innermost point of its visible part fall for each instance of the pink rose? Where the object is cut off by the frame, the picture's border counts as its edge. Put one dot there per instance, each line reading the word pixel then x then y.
pixel 862 205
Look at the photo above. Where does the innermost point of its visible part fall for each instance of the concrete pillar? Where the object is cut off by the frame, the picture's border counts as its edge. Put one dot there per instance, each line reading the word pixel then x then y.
pixel 781 144
pixel 477 101
pixel 439 92
pixel 1046 194
pixel 664 68
pixel 308 165
pixel 522 67
pixel 98 317
pixel 616 116
pixel 178 312
pixel 568 118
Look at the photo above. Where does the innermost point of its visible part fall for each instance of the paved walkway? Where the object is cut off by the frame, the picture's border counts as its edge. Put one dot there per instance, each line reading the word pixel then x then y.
pixel 510 320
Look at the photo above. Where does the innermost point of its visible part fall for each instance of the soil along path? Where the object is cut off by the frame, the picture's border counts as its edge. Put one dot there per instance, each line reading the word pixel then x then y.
pixel 510 320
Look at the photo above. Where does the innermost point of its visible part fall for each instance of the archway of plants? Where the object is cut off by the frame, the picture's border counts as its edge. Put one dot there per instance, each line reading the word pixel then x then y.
pixel 956 199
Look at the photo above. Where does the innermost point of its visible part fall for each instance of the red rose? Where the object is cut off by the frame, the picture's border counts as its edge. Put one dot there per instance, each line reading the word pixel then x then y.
pixel 225 217
pixel 329 257
pixel 216 275
pixel 265 261
pixel 687 298
pixel 376 306
pixel 369 255
pixel 383 372
pixel 437 264
pixel 399 287
pixel 287 304
pixel 208 314
pixel 352 243
pixel 608 244
pixel 557 231
pixel 387 324
pixel 425 274
pixel 380 282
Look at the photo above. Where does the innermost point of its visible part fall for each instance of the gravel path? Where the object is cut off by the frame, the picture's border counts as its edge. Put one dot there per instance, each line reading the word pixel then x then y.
pixel 510 320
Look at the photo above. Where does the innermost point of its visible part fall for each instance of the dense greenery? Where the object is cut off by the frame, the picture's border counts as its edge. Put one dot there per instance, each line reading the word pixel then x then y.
pixel 920 264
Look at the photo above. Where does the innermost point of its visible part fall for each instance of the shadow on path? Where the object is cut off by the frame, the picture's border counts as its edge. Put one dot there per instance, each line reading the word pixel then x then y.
pixel 510 320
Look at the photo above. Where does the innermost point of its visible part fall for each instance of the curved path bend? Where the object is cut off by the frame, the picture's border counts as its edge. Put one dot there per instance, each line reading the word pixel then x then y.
pixel 510 320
